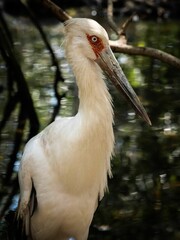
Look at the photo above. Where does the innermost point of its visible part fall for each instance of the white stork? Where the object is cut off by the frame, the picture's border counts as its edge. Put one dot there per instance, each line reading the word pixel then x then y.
pixel 64 168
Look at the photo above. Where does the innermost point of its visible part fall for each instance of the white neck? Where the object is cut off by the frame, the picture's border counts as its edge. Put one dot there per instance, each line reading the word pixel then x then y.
pixel 95 118
pixel 93 93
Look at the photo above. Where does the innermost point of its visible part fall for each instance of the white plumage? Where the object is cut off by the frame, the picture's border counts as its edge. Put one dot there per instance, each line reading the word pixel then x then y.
pixel 68 162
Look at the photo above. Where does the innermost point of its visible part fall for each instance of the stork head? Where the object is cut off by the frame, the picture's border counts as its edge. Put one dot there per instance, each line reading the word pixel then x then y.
pixel 91 41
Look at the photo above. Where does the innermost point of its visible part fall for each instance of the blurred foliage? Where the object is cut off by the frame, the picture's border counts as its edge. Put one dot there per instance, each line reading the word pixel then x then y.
pixel 144 194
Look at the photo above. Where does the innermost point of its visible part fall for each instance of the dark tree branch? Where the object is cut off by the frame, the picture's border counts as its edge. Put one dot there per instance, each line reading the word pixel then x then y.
pixel 8 202
pixel 18 77
pixel 57 11
pixel 58 76
pixel 23 94
pixel 22 118
pixel 9 108
pixel 6 29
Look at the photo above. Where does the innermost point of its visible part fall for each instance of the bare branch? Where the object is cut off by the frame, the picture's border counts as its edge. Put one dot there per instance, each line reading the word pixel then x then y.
pixel 111 22
pixel 121 45
pixel 125 25
pixel 143 51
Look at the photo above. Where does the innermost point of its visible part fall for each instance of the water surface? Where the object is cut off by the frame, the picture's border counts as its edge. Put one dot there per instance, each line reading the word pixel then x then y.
pixel 144 194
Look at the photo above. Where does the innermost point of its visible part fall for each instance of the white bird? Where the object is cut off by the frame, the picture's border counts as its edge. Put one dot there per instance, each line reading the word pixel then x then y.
pixel 63 172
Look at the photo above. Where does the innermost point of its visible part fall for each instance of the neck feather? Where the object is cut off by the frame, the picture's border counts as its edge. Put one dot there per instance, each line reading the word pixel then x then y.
pixel 94 120
pixel 93 93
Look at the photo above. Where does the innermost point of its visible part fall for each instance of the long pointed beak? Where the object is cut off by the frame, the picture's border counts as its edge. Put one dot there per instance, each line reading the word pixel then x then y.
pixel 108 63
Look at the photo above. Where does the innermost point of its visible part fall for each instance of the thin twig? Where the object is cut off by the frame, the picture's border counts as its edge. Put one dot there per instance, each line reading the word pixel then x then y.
pixel 111 22
pixel 123 28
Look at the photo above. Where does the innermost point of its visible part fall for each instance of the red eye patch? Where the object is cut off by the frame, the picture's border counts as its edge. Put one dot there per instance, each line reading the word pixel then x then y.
pixel 96 44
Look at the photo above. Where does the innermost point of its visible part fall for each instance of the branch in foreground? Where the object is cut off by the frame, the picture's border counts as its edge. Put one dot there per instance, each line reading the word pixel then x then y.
pixel 145 51
pixel 57 11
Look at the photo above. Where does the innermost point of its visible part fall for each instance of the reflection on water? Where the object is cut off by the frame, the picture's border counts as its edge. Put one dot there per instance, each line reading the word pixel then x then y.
pixel 144 194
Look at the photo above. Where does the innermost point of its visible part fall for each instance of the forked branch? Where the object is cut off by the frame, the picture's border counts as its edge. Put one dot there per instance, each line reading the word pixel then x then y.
pixel 121 45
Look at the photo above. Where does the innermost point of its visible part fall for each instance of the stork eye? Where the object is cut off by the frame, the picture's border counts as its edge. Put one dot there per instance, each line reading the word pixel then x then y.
pixel 94 39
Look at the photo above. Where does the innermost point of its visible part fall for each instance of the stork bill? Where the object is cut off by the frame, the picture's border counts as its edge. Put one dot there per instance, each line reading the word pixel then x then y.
pixel 108 63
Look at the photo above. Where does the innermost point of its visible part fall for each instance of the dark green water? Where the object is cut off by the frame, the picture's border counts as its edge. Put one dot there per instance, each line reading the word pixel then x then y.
pixel 144 194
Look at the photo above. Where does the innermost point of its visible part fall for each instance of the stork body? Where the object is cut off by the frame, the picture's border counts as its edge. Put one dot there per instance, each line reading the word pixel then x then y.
pixel 68 162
